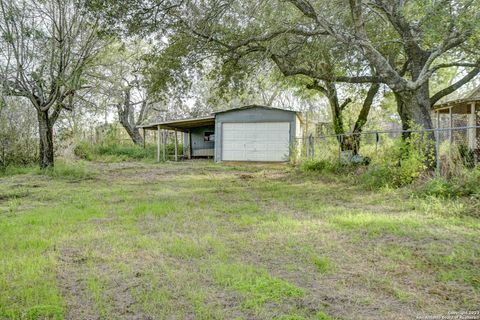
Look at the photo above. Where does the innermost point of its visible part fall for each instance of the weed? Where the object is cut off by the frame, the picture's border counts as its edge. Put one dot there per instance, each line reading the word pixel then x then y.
pixel 257 286
pixel 322 264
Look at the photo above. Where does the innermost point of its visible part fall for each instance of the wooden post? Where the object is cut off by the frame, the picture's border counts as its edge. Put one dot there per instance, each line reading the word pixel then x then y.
pixel 437 143
pixel 176 146
pixel 189 144
pixel 144 137
pixel 472 136
pixel 158 143
pixel 165 136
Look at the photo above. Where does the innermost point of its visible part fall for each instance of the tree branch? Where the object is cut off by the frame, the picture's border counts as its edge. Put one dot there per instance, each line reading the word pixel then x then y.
pixel 367 103
pixel 442 93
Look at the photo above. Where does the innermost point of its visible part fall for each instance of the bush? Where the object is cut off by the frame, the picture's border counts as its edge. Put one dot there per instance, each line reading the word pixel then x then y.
pixel 465 184
pixel 402 164
pixel 83 150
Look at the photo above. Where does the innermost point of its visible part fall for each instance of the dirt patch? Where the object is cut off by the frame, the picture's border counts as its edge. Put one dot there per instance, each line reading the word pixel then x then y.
pixel 74 270
pixel 71 271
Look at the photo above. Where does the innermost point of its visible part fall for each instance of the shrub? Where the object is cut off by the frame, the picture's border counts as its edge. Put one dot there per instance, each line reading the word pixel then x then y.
pixel 465 184
pixel 401 164
pixel 83 150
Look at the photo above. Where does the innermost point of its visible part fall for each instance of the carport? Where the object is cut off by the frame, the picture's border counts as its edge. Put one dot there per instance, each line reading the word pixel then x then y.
pixel 249 133
pixel 186 126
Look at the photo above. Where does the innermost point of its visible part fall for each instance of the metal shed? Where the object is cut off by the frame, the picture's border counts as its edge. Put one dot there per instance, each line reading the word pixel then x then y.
pixel 249 133
pixel 256 133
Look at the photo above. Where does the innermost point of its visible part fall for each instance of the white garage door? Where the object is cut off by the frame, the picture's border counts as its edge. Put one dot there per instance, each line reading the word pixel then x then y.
pixel 262 141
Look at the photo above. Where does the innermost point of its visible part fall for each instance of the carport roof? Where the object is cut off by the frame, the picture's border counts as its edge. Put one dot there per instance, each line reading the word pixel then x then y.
pixel 181 124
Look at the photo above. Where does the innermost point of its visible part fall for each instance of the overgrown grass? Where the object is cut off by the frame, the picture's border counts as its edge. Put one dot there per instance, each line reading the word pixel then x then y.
pixel 256 285
pixel 199 240
pixel 406 162
pixel 465 184
pixel 61 170
pixel 114 152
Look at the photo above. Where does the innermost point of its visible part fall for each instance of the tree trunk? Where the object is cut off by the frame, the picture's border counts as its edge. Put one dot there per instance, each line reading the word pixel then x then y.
pixel 45 133
pixel 133 132
pixel 127 119
pixel 414 108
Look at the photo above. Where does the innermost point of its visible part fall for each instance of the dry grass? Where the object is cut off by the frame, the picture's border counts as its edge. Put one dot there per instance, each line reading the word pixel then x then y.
pixel 198 240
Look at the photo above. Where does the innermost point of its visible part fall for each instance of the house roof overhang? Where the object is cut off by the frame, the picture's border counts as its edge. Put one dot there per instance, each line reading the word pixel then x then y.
pixel 181 125
pixel 459 106
pixel 462 105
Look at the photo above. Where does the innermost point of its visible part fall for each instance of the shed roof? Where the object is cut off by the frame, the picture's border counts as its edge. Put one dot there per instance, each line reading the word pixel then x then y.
pixel 189 123
pixel 251 106
pixel 181 124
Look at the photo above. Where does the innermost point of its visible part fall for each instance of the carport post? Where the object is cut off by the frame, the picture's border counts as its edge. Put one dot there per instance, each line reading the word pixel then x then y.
pixel 165 136
pixel 158 143
pixel 144 137
pixel 176 146
pixel 189 144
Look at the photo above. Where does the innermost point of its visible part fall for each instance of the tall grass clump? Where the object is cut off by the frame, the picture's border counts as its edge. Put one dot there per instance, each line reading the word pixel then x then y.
pixel 324 166
pixel 61 170
pixel 401 163
pixel 67 171
pixel 463 184
pixel 118 152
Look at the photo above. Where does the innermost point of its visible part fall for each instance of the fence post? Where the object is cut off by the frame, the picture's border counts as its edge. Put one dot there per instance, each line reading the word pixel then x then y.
pixel 307 145
pixel 377 139
pixel 340 141
pixel 437 150
pixel 313 147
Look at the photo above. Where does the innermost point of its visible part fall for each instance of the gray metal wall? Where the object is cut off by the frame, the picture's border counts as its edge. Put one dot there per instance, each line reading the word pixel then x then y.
pixel 198 139
pixel 252 115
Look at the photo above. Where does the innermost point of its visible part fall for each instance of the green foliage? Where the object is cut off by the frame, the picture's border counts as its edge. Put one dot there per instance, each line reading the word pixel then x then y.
pixel 465 184
pixel 115 152
pixel 322 316
pixel 467 155
pixel 256 285
pixel 62 170
pixel 68 171
pixel 18 143
pixel 322 264
pixel 12 170
pixel 324 166
pixel 45 312
pixel 401 164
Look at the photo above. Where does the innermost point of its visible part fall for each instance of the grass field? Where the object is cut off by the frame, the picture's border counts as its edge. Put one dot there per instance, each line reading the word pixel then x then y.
pixel 198 240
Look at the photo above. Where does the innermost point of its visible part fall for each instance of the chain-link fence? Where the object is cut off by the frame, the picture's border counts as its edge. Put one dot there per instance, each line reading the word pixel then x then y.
pixel 446 146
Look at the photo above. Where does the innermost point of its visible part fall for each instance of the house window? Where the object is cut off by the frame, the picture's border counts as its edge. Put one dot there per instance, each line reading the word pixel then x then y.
pixel 209 136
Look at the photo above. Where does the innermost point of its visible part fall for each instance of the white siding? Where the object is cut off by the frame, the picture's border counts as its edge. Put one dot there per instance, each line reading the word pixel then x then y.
pixel 250 141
